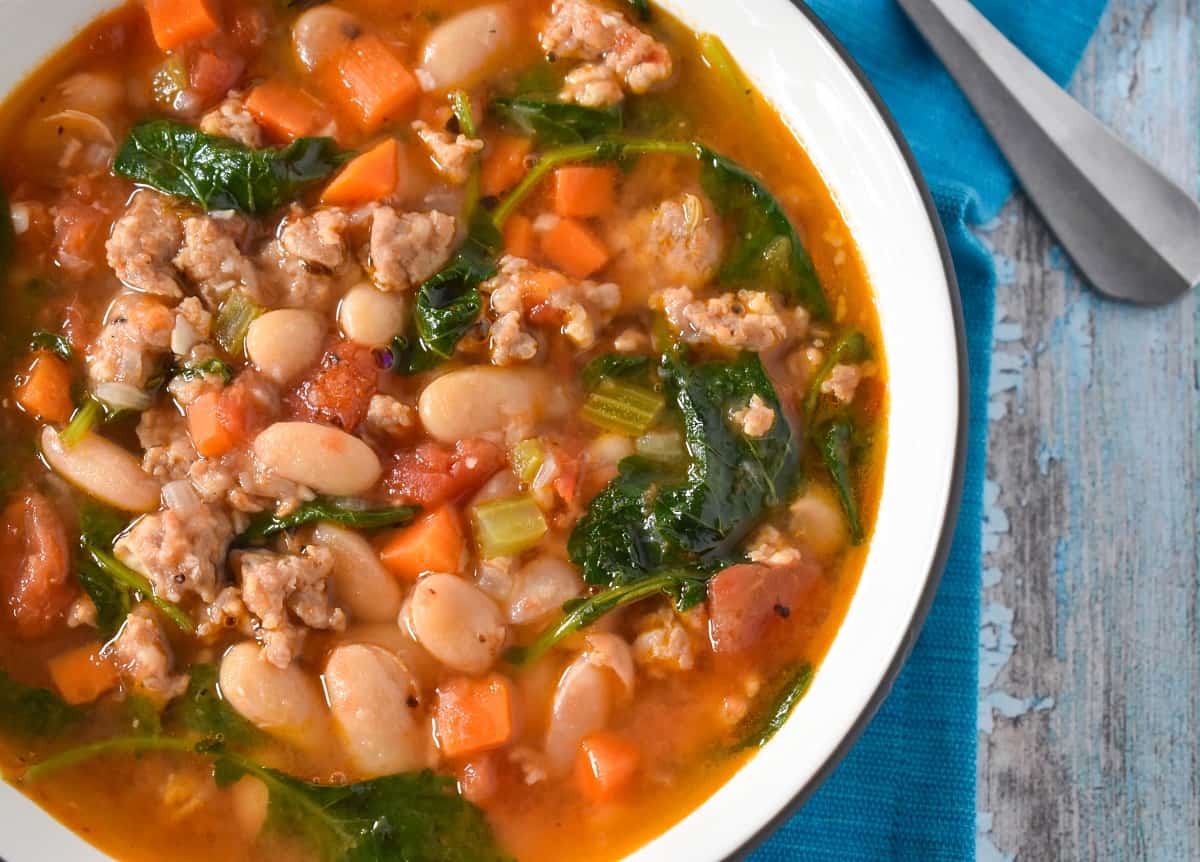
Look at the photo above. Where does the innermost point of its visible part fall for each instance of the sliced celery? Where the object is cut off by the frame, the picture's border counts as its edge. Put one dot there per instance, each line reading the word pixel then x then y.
pixel 623 408
pixel 507 527
pixel 87 417
pixel 527 458
pixel 664 446
pixel 233 321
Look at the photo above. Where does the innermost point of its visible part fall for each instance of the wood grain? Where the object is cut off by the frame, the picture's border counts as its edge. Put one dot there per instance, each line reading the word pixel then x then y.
pixel 1090 647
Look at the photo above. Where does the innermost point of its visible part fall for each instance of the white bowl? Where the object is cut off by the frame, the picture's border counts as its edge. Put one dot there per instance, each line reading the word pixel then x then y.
pixel 834 112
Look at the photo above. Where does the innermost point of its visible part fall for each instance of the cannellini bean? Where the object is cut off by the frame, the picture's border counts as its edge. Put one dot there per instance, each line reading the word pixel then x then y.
pixel 286 703
pixel 371 317
pixel 541 588
pixel 461 48
pixel 605 650
pixel 325 459
pixel 102 469
pixel 363 586
pixel 477 400
pixel 319 33
pixel 456 622
pixel 372 697
pixel 582 701
pixel 397 640
pixel 609 449
pixel 818 522
pixel 284 344
pixel 250 800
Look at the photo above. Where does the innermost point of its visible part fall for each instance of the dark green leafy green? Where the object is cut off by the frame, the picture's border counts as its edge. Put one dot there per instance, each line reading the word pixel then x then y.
pixel 685 588
pixel 202 711
pixel 324 509
pixel 222 174
pixel 851 346
pixel 765 249
pixel 757 728
pixel 614 366
pixel 53 342
pixel 835 441
pixel 409 817
pixel 33 712
pixel 112 600
pixel 143 716
pixel 557 124
pixel 449 303
pixel 647 518
pixel 641 8
pixel 215 367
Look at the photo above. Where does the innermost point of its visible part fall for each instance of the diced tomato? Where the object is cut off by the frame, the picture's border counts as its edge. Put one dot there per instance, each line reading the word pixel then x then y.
pixel 35 566
pixel 340 389
pixel 746 600
pixel 431 475
pixel 566 483
pixel 79 235
pixel 212 74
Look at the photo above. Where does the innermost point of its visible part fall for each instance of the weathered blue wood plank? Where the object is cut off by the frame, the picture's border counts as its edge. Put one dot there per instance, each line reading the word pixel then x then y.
pixel 1090 646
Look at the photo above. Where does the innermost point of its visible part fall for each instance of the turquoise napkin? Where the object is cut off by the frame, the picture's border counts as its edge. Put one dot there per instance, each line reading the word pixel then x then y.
pixel 907 789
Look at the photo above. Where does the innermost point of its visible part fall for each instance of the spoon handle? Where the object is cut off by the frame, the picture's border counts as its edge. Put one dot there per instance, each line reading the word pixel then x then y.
pixel 1130 230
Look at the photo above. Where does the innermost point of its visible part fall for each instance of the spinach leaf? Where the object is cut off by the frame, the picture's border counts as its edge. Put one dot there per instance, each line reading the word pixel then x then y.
pixel 835 443
pixel 324 509
pixel 449 303
pixel 765 248
pixel 647 518
pixel 641 8
pixel 614 366
pixel 52 342
pixel 143 715
pixel 33 712
pixel 216 367
pixel 852 346
pixel 113 601
pixel 685 588
pixel 202 711
pixel 756 729
pixel 219 173
pixel 557 124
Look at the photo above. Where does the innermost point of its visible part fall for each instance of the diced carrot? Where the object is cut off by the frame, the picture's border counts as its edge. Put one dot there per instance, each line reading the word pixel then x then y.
pixel 375 84
pixel 518 236
pixel 584 191
pixel 210 434
pixel 46 392
pixel 605 765
pixel 574 248
pixel 435 543
pixel 81 675
pixel 174 22
pixel 373 175
pixel 504 165
pixel 473 715
pixel 286 111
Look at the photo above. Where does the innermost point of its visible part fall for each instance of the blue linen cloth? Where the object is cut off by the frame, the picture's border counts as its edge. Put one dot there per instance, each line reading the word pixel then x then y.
pixel 907 789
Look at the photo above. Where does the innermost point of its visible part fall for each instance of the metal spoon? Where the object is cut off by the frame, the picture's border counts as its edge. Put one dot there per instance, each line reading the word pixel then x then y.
pixel 1133 233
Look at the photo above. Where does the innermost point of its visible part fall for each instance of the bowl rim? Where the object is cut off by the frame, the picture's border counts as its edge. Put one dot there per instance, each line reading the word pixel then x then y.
pixel 946 539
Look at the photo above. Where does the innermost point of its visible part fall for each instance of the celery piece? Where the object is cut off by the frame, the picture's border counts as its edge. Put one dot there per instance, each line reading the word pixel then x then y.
pixel 87 417
pixel 507 527
pixel 233 321
pixel 527 458
pixel 623 408
pixel 662 446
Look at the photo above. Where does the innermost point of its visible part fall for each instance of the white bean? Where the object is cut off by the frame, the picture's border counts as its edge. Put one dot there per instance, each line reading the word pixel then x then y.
pixel 456 622
pixel 319 33
pixel 818 522
pixel 286 703
pixel 479 400
pixel 609 449
pixel 372 697
pixel 581 706
pixel 250 802
pixel 322 458
pixel 399 642
pixel 365 589
pixel 606 650
pixel 461 48
pixel 104 470
pixel 284 344
pixel 541 588
pixel 371 317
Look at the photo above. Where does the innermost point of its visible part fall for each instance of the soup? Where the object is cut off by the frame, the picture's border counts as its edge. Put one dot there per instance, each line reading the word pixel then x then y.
pixel 434 430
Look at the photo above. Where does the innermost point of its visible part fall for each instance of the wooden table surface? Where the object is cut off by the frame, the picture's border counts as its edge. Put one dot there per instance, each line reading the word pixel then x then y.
pixel 1089 718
